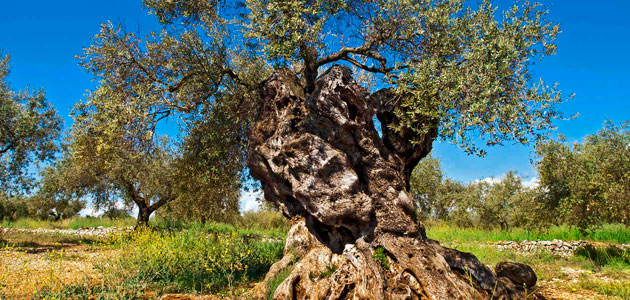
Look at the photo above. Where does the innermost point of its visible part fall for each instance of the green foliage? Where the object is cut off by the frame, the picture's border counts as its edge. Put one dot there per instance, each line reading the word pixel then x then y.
pixel 380 257
pixel 29 130
pixel 193 260
pixel 13 208
pixel 584 185
pixel 424 183
pixel 501 204
pixel 587 183
pixel 113 155
pixel 504 204
pixel 55 196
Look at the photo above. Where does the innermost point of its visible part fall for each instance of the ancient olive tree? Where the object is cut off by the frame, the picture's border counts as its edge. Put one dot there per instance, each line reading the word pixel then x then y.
pixel 282 71
pixel 29 129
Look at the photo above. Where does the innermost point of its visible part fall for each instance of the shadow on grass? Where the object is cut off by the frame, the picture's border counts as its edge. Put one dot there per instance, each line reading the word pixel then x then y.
pixel 602 256
pixel 38 243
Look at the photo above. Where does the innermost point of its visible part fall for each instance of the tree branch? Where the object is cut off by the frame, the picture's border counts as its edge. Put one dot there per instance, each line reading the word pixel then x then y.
pixel 6 149
pixel 132 192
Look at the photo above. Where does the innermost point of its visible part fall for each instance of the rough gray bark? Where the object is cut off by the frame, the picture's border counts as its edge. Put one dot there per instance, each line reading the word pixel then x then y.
pixel 354 232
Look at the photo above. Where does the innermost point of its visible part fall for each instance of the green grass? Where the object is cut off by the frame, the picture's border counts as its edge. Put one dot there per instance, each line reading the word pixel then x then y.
pixel 72 223
pixel 34 240
pixel 28 223
pixel 76 223
pixel 223 228
pixel 612 233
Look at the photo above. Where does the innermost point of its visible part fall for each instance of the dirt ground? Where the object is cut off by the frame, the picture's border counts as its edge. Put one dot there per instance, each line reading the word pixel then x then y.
pixel 34 263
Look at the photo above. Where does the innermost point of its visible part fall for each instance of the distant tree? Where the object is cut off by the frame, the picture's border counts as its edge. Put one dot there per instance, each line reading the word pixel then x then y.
pixel 497 202
pixel 424 184
pixel 29 132
pixel 505 203
pixel 58 196
pixel 14 207
pixel 588 183
pixel 114 156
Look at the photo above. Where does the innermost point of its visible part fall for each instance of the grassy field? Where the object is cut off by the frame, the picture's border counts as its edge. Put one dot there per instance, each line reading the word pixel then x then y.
pixel 73 223
pixel 610 233
pixel 224 260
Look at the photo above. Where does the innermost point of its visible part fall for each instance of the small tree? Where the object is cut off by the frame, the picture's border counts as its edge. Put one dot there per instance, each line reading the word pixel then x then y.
pixel 113 155
pixel 29 130
pixel 497 202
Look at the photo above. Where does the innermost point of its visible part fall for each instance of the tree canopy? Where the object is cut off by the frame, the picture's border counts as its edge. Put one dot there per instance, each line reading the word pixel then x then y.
pixel 29 132
pixel 460 73
pixel 461 70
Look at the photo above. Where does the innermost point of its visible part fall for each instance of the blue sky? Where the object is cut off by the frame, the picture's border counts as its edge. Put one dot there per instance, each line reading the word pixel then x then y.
pixel 43 37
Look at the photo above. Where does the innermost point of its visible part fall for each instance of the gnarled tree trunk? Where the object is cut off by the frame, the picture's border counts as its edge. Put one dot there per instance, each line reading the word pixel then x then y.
pixel 354 233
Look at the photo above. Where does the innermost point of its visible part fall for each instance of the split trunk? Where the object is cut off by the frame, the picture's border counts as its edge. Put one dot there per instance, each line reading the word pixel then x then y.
pixel 354 231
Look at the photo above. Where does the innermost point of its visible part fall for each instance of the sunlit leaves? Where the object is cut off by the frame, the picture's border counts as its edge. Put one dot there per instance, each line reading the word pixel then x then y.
pixel 463 70
pixel 588 182
pixel 29 129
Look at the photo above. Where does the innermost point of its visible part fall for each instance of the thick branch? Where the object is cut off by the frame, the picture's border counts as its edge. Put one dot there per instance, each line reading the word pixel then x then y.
pixel 6 149
pixel 132 192
pixel 363 50
pixel 159 203
pixel 409 145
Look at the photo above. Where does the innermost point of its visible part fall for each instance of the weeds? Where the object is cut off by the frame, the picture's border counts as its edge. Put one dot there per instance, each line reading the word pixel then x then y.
pixel 602 256
pixel 616 288
pixel 277 280
pixel 72 223
pixel 380 257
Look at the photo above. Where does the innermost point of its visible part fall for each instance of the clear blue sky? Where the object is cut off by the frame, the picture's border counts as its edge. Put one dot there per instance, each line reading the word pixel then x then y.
pixel 592 61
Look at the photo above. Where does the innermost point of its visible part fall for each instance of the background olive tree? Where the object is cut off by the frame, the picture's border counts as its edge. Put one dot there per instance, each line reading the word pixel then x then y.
pixel 587 183
pixel 29 133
